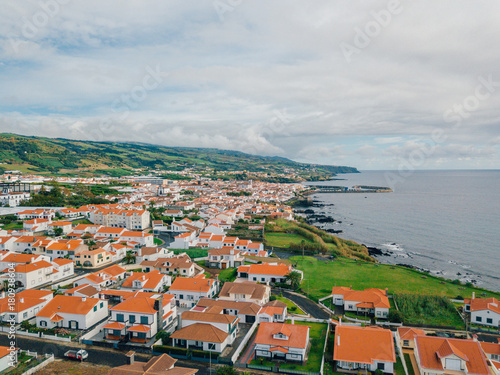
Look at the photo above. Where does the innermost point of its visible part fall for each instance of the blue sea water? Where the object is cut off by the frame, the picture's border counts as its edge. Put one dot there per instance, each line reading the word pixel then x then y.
pixel 447 222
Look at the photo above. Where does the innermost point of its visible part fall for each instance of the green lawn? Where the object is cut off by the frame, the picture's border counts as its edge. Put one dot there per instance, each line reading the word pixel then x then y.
pixel 320 277
pixel 157 241
pixel 409 365
pixel 229 274
pixel 14 225
pixel 284 239
pixel 80 221
pixel 398 367
pixel 290 306
pixel 317 334
pixel 193 253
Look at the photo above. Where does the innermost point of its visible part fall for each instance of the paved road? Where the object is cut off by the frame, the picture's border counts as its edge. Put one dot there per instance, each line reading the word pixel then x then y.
pixel 309 307
pixel 101 356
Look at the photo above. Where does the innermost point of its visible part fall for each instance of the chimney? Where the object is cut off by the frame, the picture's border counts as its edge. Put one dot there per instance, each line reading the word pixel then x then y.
pixel 340 321
pixel 338 340
pixel 144 277
pixel 130 357
pixel 84 299
pixel 474 337
pixel 386 292
pixel 21 300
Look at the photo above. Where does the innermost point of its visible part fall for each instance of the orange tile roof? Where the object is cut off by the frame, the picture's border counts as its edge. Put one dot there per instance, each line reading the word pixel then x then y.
pixel 363 344
pixel 192 284
pixel 68 305
pixel 201 332
pixel 266 269
pixel 297 335
pixel 369 298
pixel 431 349
pixel 478 304
pixel 136 304
pixel 406 333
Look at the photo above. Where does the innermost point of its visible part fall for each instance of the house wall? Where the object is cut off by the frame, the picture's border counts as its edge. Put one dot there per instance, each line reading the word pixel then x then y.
pixel 485 315
pixel 191 298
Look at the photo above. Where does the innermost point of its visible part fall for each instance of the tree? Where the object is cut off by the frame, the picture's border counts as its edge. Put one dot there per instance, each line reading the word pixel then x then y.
pixel 294 278
pixel 58 231
pixel 395 316
pixel 129 258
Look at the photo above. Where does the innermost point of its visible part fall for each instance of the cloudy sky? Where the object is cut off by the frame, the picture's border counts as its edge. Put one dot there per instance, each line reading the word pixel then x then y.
pixel 370 84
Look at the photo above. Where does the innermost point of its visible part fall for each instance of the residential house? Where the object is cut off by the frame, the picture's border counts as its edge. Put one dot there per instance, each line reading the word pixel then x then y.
pixel 24 305
pixel 483 311
pixel 65 248
pixel 103 278
pixel 130 219
pixel 364 348
pixel 282 341
pixel 152 253
pixel 140 316
pixel 36 225
pixel 84 290
pixel 189 290
pixel 184 241
pixel 373 302
pixel 72 312
pixel 440 355
pixel 137 238
pixel 247 291
pixel 93 258
pixel 273 311
pixel 492 352
pixel 247 312
pixel 65 226
pixel 205 331
pixel 406 336
pixel 180 264
pixel 153 281
pixel 266 272
pixel 226 257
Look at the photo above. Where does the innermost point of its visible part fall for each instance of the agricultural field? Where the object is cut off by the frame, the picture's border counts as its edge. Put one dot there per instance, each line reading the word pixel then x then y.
pixel 428 310
pixel 321 276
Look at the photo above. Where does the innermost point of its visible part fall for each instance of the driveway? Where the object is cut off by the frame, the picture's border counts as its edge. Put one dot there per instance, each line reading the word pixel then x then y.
pixel 308 306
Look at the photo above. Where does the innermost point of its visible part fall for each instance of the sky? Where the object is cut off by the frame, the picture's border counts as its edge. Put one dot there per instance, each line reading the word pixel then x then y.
pixel 370 84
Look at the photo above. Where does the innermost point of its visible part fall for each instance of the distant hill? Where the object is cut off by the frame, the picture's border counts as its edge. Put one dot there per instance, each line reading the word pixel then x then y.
pixel 69 157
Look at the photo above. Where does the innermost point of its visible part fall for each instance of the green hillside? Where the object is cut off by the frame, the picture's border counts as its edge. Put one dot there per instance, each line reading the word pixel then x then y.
pixel 69 157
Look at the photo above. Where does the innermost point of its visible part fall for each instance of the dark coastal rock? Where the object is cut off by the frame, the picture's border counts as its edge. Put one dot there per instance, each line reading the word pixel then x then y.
pixel 309 211
pixel 411 266
pixel 333 231
pixel 375 251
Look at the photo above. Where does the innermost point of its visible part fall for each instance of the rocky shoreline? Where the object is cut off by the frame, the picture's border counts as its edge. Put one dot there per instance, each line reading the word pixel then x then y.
pixel 313 216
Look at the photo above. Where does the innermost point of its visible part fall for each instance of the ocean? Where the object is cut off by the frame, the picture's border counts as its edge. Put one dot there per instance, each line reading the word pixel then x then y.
pixel 447 222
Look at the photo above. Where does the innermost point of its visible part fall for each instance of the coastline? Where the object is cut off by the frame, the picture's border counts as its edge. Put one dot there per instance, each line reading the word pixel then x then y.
pixel 320 219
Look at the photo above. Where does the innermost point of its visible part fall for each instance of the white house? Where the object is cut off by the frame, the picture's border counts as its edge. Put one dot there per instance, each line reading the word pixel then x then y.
pixel 373 302
pixel 189 290
pixel 282 341
pixel 26 305
pixel 364 348
pixel 483 311
pixel 72 312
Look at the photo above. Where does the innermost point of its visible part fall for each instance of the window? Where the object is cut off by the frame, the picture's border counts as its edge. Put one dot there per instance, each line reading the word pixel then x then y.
pixel 211 346
pixel 489 320
pixel 43 323
pixel 406 342
pixel 101 306
pixel 95 308
pixel 380 366
pixel 144 320
pixel 131 318
pixel 479 319
pixel 120 318
pixel 25 315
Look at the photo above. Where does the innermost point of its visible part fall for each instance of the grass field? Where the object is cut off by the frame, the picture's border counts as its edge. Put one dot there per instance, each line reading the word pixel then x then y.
pixel 284 239
pixel 428 310
pixel 291 307
pixel 317 334
pixel 321 276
